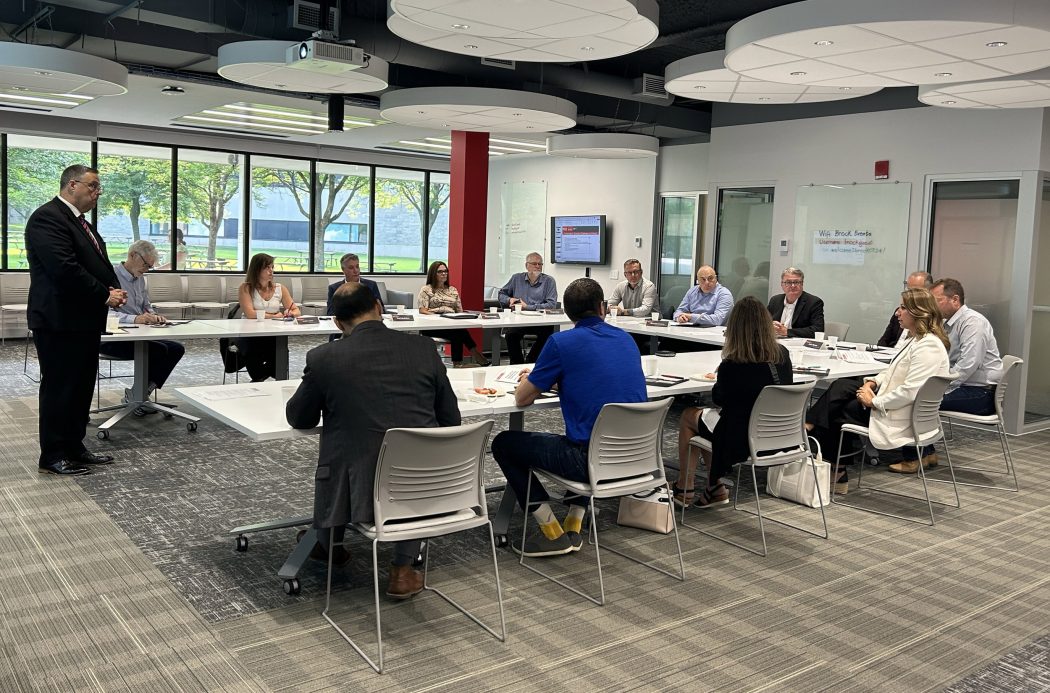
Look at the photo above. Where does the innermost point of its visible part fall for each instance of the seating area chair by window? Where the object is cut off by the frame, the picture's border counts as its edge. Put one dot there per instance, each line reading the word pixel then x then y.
pixel 836 329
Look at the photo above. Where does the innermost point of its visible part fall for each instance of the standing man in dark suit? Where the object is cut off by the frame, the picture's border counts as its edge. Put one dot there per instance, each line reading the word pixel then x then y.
pixel 796 313
pixel 71 289
pixel 371 380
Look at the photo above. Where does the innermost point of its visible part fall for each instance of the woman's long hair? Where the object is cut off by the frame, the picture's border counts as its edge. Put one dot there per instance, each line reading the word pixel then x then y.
pixel 259 262
pixel 922 306
pixel 749 334
pixel 432 274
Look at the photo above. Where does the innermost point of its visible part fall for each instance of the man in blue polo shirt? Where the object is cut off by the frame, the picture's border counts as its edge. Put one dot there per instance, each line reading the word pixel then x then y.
pixel 592 364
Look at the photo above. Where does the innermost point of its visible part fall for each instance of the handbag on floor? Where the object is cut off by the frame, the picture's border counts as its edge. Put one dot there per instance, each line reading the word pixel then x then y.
pixel 794 481
pixel 651 511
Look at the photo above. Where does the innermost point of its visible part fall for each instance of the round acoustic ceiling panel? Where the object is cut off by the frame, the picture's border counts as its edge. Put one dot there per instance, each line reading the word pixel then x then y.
pixel 49 70
pixel 265 64
pixel 604 145
pixel 1030 90
pixel 704 77
pixel 528 30
pixel 891 43
pixel 477 109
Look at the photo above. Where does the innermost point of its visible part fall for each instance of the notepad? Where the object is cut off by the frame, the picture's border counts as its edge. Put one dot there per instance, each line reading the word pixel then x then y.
pixel 221 394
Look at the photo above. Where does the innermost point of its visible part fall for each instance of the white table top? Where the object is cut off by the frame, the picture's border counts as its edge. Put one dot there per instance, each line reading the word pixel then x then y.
pixel 257 409
pixel 702 335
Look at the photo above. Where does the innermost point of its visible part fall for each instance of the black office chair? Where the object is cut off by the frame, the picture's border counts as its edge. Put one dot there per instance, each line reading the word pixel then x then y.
pixel 232 351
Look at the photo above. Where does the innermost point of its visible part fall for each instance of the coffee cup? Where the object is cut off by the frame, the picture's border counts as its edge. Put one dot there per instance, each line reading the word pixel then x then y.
pixel 478 377
pixel 260 314
pixel 819 336
pixel 518 307
pixel 493 309
pixel 655 316
pixel 400 309
pixel 650 366
pixel 833 342
pixel 112 323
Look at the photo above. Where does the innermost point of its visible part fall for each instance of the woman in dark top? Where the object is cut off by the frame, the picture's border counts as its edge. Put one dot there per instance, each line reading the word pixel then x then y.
pixel 751 359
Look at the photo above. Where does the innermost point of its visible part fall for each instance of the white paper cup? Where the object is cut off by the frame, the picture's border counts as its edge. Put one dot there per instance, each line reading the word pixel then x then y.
pixel 650 366
pixel 833 342
pixel 112 323
pixel 655 316
pixel 493 309
pixel 819 336
pixel 400 309
pixel 518 307
pixel 260 314
pixel 478 377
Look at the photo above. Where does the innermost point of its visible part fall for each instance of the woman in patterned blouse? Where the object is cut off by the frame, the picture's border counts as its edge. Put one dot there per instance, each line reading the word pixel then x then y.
pixel 438 297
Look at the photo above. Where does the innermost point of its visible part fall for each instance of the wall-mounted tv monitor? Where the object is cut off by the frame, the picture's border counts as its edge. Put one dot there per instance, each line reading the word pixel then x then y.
pixel 579 240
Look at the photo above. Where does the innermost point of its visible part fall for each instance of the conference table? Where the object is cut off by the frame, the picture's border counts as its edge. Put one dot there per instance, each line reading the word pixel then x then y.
pixel 257 410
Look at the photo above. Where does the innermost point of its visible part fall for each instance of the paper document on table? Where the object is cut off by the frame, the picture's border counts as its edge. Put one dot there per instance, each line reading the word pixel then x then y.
pixel 509 375
pixel 857 357
pixel 220 394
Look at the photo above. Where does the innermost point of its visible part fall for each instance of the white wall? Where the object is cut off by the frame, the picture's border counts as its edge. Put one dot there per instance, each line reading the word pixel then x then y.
pixel 623 190
pixel 683 168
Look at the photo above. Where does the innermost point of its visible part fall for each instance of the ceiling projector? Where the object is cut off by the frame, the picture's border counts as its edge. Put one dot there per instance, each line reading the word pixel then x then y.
pixel 325 57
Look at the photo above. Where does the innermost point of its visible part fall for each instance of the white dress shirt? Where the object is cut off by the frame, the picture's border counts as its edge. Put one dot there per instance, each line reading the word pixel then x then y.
pixel 974 355
pixel 789 312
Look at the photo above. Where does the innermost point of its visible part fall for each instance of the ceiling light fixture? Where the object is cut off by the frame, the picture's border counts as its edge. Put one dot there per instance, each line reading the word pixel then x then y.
pixel 823 43
pixel 942 74
pixel 996 44
pixel 798 74
pixel 538 145
pixel 171 90
pixel 267 64
pixel 470 46
pixel 48 70
pixel 948 103
pixel 460 27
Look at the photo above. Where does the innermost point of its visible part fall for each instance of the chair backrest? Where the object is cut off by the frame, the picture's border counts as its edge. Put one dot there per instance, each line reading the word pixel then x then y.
pixel 381 286
pixel 163 286
pixel 14 288
pixel 315 288
pixel 836 329
pixel 1010 370
pixel 204 287
pixel 233 287
pixel 926 412
pixel 776 430
pixel 292 283
pixel 426 472
pixel 626 441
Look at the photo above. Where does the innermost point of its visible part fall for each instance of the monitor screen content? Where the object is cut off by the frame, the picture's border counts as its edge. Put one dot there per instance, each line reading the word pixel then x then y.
pixel 579 240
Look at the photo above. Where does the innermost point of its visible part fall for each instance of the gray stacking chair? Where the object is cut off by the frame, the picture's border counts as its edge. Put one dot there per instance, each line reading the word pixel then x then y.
pixel 624 458
pixel 166 293
pixel 1011 370
pixel 428 484
pixel 315 293
pixel 926 422
pixel 204 293
pixel 776 436
pixel 836 329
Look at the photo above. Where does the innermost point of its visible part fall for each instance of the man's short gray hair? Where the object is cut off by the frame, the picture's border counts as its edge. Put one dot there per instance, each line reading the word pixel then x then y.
pixel 143 249
pixel 924 276
pixel 533 255
pixel 793 270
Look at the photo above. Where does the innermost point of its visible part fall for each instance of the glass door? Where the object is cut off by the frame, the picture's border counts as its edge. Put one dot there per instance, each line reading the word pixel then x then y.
pixel 680 214
pixel 1037 388
pixel 744 239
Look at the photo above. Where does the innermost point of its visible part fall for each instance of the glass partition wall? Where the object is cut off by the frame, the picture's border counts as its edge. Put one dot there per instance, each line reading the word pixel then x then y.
pixel 680 243
pixel 744 239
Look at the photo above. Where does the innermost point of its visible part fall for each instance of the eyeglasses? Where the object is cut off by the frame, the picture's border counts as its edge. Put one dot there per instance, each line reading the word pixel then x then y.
pixel 94 186
pixel 632 272
pixel 444 271
pixel 149 265
pixel 791 282
pixel 534 264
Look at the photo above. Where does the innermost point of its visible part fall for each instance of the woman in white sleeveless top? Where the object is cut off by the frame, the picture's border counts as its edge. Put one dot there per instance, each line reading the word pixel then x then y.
pixel 260 292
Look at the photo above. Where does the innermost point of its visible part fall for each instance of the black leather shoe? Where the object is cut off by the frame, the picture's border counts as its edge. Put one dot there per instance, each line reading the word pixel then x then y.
pixel 63 467
pixel 92 458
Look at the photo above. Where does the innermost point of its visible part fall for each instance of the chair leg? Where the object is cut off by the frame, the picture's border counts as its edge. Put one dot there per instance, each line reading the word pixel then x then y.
pixel 502 635
pixel 1010 471
pixel 377 667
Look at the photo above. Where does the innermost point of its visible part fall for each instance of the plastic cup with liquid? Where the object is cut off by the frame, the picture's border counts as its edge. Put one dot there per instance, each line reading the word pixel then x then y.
pixel 655 316
pixel 260 315
pixel 518 307
pixel 650 366
pixel 478 377
pixel 493 309
pixel 833 342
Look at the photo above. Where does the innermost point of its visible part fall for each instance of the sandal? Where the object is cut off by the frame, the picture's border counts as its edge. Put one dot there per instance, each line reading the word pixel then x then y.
pixel 711 497
pixel 840 482
pixel 683 497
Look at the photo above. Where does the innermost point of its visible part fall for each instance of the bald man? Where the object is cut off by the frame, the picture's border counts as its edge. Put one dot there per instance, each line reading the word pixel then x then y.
pixel 708 303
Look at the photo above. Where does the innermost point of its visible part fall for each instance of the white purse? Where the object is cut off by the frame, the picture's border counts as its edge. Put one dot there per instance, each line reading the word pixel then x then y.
pixel 794 481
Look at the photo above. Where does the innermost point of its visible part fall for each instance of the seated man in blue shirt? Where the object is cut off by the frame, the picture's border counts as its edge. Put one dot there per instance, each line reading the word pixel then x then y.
pixel 533 290
pixel 705 305
pixel 163 354
pixel 585 384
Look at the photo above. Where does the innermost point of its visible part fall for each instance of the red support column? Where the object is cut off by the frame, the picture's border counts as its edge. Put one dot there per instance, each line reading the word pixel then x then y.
pixel 468 207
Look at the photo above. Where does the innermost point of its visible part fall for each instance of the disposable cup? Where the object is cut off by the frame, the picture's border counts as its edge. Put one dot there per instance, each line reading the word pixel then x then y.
pixel 655 316
pixel 833 342
pixel 819 336
pixel 479 378
pixel 518 307
pixel 112 323
pixel 650 366
pixel 493 309
pixel 260 314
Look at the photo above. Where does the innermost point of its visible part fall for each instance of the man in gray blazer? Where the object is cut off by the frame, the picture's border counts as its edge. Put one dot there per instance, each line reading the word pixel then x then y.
pixel 371 380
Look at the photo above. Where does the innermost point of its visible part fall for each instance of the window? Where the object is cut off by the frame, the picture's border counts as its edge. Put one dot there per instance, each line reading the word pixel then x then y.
pixel 136 200
pixel 679 217
pixel 341 218
pixel 280 213
pixel 745 234
pixel 209 209
pixel 400 206
pixel 437 231
pixel 34 171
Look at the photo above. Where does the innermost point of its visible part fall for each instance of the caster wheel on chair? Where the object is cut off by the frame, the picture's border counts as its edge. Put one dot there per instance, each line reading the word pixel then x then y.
pixel 292 586
pixel 102 435
pixel 191 426
pixel 168 416
pixel 241 544
pixel 502 541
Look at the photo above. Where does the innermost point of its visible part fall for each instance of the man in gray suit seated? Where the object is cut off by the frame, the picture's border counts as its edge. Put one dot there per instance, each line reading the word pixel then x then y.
pixel 371 380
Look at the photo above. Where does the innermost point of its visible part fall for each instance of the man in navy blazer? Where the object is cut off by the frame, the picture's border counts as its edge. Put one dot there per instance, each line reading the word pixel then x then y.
pixel 796 313
pixel 72 287
pixel 351 266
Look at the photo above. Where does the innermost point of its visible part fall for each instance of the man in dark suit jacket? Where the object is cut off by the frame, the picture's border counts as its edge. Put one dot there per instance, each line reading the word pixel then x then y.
pixel 371 380
pixel 796 313
pixel 351 266
pixel 71 289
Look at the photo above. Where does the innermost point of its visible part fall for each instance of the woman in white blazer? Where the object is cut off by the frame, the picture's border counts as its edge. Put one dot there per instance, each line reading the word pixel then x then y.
pixel 884 403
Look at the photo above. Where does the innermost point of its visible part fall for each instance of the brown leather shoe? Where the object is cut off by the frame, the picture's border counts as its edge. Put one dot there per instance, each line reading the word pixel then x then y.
pixel 912 466
pixel 405 582
pixel 930 460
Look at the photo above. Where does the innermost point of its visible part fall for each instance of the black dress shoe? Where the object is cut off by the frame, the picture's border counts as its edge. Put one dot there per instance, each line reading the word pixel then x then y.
pixel 340 556
pixel 92 458
pixel 63 467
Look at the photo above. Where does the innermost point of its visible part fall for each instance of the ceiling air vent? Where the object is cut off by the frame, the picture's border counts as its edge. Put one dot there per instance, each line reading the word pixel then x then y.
pixel 651 87
pixel 496 62
pixel 304 14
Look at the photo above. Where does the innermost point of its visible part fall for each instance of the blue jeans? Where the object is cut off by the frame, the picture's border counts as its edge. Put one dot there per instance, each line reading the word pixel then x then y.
pixel 517 451
pixel 970 399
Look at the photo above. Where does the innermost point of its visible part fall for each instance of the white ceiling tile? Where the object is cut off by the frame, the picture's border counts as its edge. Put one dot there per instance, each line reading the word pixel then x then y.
pixel 861 81
pixel 445 22
pixel 815 71
pixel 1019 94
pixel 812 97
pixel 960 72
pixel 974 87
pixel 1018 64
pixel 754 56
pixel 916 31
pixel 844 39
pixel 1018 39
pixel 756 87
pixel 483 47
pixel 884 60
pixel 584 26
pixel 1039 103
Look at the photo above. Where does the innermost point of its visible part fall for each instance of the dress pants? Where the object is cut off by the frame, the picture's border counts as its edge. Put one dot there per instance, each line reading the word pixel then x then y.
pixel 260 357
pixel 405 552
pixel 514 335
pixel 457 340
pixel 837 406
pixel 516 451
pixel 68 366
pixel 970 399
pixel 163 356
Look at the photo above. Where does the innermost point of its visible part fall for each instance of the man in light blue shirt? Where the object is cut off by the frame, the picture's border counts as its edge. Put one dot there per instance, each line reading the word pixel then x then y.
pixel 534 290
pixel 974 354
pixel 706 304
pixel 163 354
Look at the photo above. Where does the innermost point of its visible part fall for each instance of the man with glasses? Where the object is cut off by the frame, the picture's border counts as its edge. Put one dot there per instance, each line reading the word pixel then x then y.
pixel 533 290
pixel 796 313
pixel 163 354
pixel 72 284
pixel 636 296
